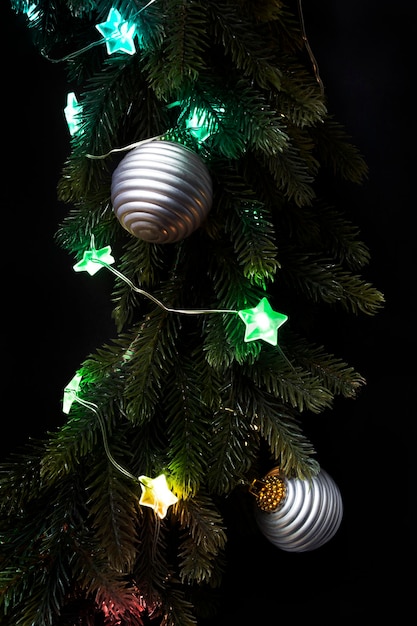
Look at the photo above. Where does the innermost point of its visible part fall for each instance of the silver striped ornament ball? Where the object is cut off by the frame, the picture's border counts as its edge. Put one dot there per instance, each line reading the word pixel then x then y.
pixel 307 517
pixel 161 192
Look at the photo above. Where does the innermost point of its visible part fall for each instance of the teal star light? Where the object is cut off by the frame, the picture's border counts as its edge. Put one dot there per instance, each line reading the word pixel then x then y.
pixel 31 11
pixel 93 260
pixel 72 113
pixel 201 124
pixel 262 322
pixel 118 33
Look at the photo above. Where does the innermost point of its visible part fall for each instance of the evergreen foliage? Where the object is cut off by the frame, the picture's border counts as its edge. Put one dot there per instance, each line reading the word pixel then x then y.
pixel 179 394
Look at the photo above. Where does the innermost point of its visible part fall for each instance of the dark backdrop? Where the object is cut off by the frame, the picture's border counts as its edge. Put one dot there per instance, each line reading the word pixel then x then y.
pixel 53 318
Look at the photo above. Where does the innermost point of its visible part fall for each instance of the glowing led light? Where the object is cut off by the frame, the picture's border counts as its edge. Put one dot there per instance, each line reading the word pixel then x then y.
pixel 70 393
pixel 201 124
pixel 262 322
pixel 72 113
pixel 197 124
pixel 93 260
pixel 156 494
pixel 32 12
pixel 118 33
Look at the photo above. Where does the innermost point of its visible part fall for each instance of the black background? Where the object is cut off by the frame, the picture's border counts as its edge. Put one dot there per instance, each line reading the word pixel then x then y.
pixel 53 318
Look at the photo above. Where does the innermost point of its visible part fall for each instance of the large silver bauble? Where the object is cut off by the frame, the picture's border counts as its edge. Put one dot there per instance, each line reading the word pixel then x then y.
pixel 161 191
pixel 307 518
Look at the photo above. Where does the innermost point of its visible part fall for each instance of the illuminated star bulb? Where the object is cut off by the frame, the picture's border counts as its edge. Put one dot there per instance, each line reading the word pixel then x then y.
pixel 70 392
pixel 118 33
pixel 262 322
pixel 201 124
pixel 93 260
pixel 72 112
pixel 156 494
pixel 31 11
pixel 196 124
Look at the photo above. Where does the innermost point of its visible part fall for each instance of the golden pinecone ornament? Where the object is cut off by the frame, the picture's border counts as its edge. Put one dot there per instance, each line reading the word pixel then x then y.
pixel 306 518
pixel 270 491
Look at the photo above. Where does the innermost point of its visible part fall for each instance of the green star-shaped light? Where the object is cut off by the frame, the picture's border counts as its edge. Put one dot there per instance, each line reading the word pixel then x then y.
pixel 93 260
pixel 118 33
pixel 70 392
pixel 262 322
pixel 201 124
pixel 72 113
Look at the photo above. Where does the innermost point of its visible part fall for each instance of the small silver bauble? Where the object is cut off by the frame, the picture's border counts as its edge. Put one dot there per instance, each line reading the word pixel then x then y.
pixel 307 518
pixel 161 191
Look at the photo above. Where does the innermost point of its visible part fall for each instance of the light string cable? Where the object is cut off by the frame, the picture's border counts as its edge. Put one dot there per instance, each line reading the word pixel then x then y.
pixel 308 48
pixel 94 408
pixel 136 144
pixel 155 300
pixel 181 311
pixel 72 55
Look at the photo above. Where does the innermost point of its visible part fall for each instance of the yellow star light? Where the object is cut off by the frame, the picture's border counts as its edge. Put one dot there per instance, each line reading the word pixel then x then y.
pixel 156 494
pixel 262 322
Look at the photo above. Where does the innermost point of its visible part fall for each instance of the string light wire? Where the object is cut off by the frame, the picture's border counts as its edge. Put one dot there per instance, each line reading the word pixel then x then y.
pixel 308 48
pixel 158 302
pixel 94 408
